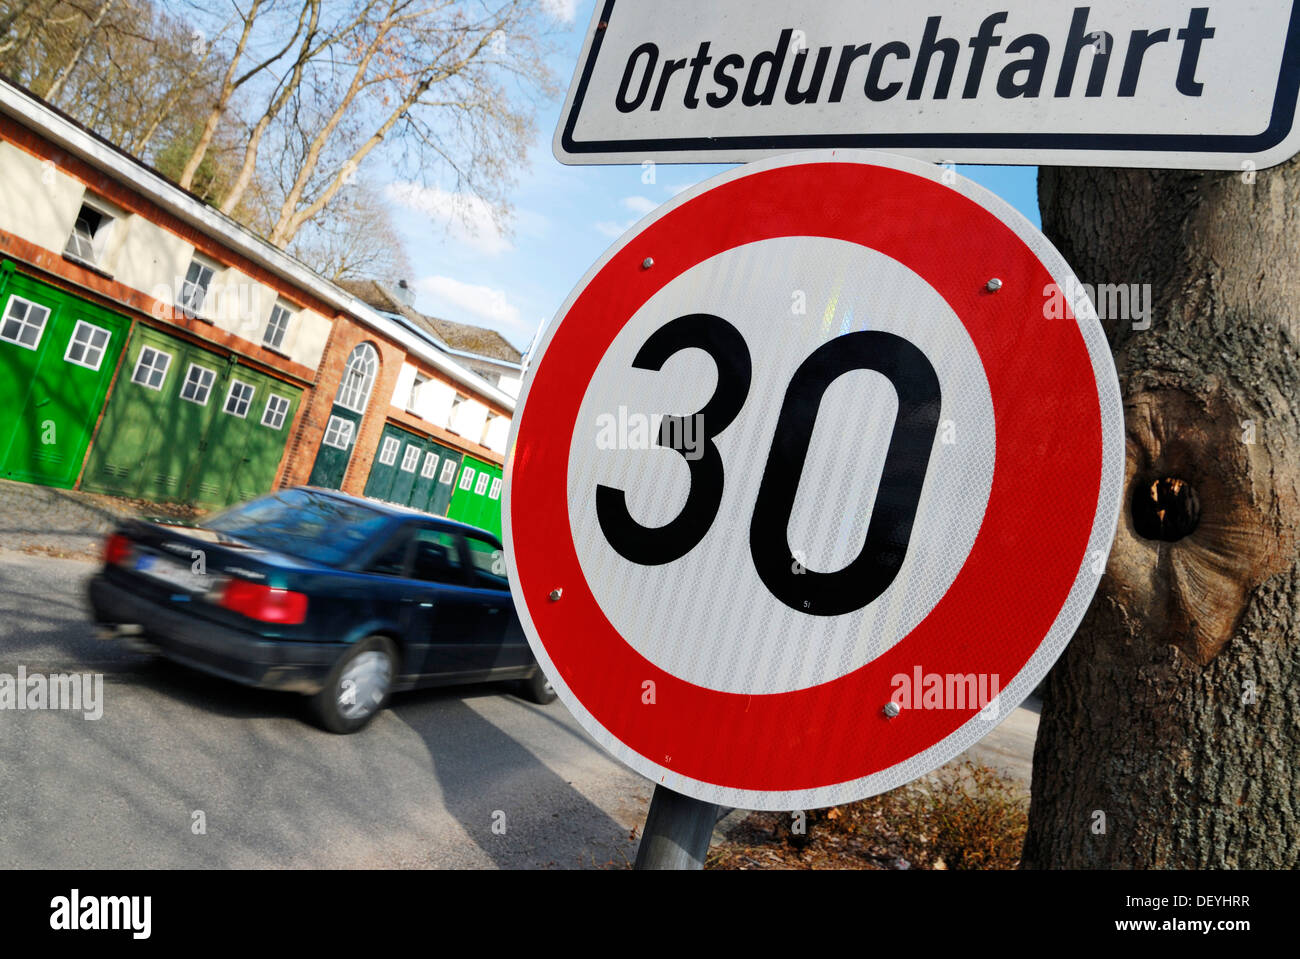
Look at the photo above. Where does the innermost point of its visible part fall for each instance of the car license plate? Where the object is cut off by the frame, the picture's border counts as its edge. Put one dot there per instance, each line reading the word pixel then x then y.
pixel 171 572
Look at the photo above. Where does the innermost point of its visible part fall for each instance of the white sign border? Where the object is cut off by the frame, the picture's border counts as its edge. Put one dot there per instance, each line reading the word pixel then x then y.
pixel 571 153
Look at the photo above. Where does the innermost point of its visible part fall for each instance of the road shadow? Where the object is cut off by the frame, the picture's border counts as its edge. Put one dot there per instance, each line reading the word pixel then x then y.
pixel 45 618
pixel 512 805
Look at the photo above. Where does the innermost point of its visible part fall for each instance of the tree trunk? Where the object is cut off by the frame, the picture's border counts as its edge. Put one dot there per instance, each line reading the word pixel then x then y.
pixel 229 84
pixel 52 94
pixel 1170 732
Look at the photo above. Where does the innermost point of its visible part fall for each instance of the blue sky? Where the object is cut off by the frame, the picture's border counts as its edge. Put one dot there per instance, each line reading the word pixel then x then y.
pixel 564 219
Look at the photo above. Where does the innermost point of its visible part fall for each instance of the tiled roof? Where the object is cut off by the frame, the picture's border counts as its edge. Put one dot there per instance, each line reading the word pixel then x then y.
pixel 459 336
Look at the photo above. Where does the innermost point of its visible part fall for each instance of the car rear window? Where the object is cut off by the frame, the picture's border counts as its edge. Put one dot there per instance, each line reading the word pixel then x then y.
pixel 303 524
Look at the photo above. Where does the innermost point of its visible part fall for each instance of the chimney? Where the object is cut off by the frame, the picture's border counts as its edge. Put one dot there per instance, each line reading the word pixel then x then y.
pixel 404 294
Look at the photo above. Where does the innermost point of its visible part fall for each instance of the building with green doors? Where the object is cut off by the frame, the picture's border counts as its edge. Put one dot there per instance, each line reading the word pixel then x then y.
pixel 187 425
pixel 413 471
pixel 154 348
pixel 477 499
pixel 57 359
pixel 341 431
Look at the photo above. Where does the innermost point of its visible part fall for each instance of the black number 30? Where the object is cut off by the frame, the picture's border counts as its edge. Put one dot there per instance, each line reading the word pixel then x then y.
pixel 906 462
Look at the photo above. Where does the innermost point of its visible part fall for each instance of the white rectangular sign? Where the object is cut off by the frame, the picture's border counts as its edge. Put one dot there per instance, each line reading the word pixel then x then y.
pixel 1185 84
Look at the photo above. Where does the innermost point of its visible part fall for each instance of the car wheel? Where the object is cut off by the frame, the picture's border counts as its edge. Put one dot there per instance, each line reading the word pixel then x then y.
pixel 358 686
pixel 538 688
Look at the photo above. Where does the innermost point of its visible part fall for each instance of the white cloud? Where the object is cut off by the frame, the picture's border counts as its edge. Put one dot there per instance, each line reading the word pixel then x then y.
pixel 562 10
pixel 672 189
pixel 613 230
pixel 482 302
pixel 466 218
pixel 639 204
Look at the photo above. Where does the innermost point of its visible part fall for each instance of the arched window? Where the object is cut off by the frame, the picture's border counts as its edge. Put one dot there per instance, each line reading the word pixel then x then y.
pixel 358 378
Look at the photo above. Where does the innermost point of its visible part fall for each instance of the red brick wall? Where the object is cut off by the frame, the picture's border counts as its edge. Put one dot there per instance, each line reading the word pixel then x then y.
pixel 345 336
pixel 367 444
pixel 314 415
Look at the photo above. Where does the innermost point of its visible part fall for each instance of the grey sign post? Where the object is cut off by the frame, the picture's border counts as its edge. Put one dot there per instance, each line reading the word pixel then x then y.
pixel 677 831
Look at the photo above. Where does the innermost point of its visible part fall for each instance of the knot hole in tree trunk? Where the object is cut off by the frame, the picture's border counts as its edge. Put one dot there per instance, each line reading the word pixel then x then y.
pixel 1165 509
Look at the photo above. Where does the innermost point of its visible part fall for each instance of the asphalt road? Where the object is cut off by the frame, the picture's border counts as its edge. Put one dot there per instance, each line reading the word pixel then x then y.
pixel 424 785
pixel 451 778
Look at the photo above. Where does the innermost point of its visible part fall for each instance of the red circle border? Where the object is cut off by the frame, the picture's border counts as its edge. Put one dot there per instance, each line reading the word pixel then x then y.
pixel 1022 566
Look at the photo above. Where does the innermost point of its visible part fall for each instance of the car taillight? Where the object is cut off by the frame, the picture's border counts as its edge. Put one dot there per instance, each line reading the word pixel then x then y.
pixel 263 603
pixel 117 550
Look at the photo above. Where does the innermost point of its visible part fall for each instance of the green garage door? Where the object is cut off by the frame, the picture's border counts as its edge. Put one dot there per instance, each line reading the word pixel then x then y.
pixel 187 425
pixel 240 454
pixel 413 471
pixel 57 357
pixel 477 498
pixel 335 448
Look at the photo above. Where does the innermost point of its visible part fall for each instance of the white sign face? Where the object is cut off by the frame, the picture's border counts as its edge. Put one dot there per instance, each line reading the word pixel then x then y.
pixel 1181 84
pixel 776 504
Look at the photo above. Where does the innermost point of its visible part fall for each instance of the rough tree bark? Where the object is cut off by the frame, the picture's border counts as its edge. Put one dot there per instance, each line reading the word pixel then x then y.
pixel 1175 711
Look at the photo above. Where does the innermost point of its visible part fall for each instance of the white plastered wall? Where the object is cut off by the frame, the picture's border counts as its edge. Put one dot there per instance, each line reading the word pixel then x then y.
pixel 239 304
pixel 498 434
pixel 402 391
pixel 305 341
pixel 469 419
pixel 38 201
pixel 434 402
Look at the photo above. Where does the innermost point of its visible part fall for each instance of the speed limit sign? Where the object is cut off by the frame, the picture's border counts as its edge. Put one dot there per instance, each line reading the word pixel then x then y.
pixel 812 479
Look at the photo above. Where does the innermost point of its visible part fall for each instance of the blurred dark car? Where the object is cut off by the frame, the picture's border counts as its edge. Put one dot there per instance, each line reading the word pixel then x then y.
pixel 343 599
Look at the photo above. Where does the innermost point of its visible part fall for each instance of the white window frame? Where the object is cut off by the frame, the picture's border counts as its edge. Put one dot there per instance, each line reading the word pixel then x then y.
pixel 495 491
pixel 430 468
pixel 248 405
pixel 183 300
pixel 420 380
pixel 279 406
pixel 358 381
pixel 278 342
pixel 207 387
pixel 457 401
pixel 25 322
pixel 448 472
pixel 467 477
pixel 481 486
pixel 87 346
pixel 336 426
pixel 139 365
pixel 408 458
pixel 97 241
pixel 388 452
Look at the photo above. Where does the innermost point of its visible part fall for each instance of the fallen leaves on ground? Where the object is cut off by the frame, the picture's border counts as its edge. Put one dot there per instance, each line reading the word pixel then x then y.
pixel 962 817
